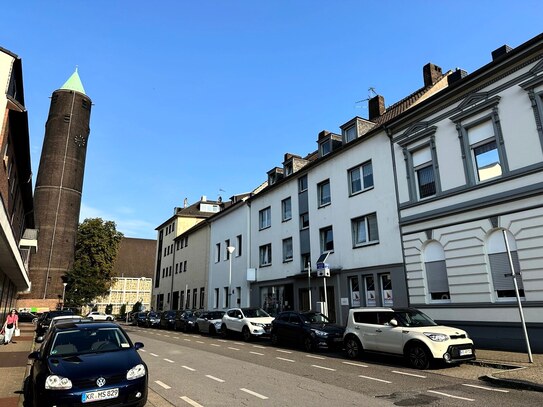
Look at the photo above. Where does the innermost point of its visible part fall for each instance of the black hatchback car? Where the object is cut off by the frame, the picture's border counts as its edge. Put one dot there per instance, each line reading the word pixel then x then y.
pixel 87 362
pixel 167 319
pixel 310 329
pixel 42 325
pixel 186 320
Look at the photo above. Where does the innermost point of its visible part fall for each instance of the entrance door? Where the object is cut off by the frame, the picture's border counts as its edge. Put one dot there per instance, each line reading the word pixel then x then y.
pixel 175 303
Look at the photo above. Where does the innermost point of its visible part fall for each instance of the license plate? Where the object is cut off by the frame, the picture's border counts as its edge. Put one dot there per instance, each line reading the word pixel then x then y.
pixel 465 352
pixel 99 395
pixel 338 339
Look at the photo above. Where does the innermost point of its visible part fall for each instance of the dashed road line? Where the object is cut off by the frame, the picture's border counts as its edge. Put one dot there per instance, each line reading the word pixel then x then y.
pixel 214 378
pixel 153 354
pixel 188 368
pixel 190 401
pixel 354 364
pixel 176 337
pixel 409 374
pixel 286 360
pixel 315 357
pixel 239 343
pixel 200 342
pixel 164 385
pixel 256 353
pixel 167 336
pixel 260 396
pixel 486 388
pixel 215 344
pixel 142 350
pixel 322 367
pixel 450 395
pixel 230 347
pixel 259 347
pixel 186 339
pixel 282 351
pixel 168 360
pixel 373 378
pixel 221 340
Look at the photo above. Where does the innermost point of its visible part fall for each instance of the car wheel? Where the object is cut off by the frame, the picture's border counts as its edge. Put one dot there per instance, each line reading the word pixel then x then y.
pixel 274 338
pixel 224 331
pixel 91 318
pixel 108 319
pixel 196 328
pixel 308 344
pixel 353 347
pixel 28 393
pixel 246 333
pixel 418 356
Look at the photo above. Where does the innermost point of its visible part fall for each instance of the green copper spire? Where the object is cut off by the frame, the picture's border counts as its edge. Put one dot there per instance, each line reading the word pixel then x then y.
pixel 74 83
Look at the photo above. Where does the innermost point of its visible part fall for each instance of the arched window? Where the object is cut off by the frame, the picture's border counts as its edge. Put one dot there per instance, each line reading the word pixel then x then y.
pixel 436 271
pixel 500 265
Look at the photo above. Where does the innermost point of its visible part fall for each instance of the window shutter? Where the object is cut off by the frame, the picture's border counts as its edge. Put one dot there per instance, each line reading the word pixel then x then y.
pixel 501 271
pixel 436 273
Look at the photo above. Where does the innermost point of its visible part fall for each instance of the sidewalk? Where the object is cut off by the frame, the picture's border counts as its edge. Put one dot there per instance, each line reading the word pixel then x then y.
pixel 506 369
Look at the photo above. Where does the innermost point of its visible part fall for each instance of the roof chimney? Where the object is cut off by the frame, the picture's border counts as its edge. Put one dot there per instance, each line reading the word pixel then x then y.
pixel 376 106
pixel 504 49
pixel 431 73
pixel 456 76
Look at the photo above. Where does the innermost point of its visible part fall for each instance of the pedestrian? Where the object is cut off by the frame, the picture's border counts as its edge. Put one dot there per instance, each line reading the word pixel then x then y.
pixel 12 323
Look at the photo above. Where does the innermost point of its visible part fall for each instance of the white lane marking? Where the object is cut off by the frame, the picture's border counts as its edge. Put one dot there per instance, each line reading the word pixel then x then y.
pixel 325 368
pixel 355 364
pixel 159 334
pixel 188 368
pixel 486 388
pixel 315 357
pixel 215 378
pixel 168 360
pixel 239 343
pixel 176 337
pixel 162 384
pixel 409 374
pixel 230 347
pixel 215 344
pixel 286 360
pixel 450 395
pixel 153 354
pixel 191 402
pixel 200 342
pixel 373 378
pixel 167 336
pixel 258 346
pixel 221 340
pixel 260 396
pixel 188 340
pixel 282 351
pixel 256 353
pixel 195 336
pixel 142 350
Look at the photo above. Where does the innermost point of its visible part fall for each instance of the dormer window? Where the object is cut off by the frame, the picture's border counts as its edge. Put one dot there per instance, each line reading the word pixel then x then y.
pixel 325 148
pixel 288 169
pixel 350 134
pixel 275 175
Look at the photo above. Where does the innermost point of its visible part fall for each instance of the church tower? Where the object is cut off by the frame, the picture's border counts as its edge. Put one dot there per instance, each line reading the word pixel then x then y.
pixel 59 185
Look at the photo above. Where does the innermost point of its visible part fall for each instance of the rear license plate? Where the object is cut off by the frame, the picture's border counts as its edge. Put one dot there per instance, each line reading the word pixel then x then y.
pixel 466 352
pixel 99 395
pixel 338 339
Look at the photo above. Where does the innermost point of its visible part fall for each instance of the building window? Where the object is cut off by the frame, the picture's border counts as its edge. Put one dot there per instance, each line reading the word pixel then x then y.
pixel 361 178
pixel 226 302
pixel 306 261
pixel 176 268
pixel 264 218
pixel 326 239
pixel 226 246
pixel 365 230
pixel 217 252
pixel 288 169
pixel 487 160
pixel 424 172
pixel 287 250
pixel 350 134
pixel 202 298
pixel 325 147
pixel 239 247
pixel 286 209
pixel 304 220
pixel 436 271
pixel 323 189
pixel 302 184
pixel 194 297
pixel 265 255
pixel 216 299
pixel 500 266
pixel 182 300
pixel 185 266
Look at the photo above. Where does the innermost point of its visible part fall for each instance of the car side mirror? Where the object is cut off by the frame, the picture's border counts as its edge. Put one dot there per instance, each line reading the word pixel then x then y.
pixel 239 316
pixel 39 339
pixel 34 355
pixel 138 345
pixel 393 322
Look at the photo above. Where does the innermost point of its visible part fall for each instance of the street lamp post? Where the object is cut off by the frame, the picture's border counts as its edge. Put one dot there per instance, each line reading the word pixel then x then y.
pixel 230 250
pixel 63 294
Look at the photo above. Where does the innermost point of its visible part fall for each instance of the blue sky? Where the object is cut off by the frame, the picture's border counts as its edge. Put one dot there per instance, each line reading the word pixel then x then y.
pixel 197 98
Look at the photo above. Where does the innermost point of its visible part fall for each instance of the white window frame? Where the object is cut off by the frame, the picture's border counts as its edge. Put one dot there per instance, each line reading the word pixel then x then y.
pixel 264 218
pixel 265 255
pixel 324 200
pixel 356 223
pixel 360 171
pixel 288 253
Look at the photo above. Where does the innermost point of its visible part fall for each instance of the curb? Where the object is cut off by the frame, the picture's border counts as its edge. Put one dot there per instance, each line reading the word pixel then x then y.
pixel 513 383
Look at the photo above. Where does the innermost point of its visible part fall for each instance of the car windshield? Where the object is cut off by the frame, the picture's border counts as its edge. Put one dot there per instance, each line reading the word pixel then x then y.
pixel 414 318
pixel 314 318
pixel 254 313
pixel 152 315
pixel 216 315
pixel 88 340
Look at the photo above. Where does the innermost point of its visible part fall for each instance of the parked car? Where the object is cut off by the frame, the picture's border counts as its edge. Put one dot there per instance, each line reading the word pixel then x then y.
pixel 209 322
pixel 43 322
pixel 139 319
pixel 407 332
pixel 310 329
pixel 56 320
pixel 167 319
pixel 82 362
pixel 25 316
pixel 186 320
pixel 152 319
pixel 99 316
pixel 250 322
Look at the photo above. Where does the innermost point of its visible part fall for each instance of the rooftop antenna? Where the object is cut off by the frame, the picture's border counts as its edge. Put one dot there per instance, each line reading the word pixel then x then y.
pixel 371 94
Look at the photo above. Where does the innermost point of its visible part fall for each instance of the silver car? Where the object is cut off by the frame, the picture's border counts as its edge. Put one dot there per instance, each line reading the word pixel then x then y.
pixel 209 322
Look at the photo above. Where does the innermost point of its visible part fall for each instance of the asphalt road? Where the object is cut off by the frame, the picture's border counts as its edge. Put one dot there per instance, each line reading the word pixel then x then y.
pixel 197 370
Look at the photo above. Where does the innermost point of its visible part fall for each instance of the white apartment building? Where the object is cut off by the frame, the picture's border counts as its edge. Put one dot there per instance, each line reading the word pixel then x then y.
pixel 469 165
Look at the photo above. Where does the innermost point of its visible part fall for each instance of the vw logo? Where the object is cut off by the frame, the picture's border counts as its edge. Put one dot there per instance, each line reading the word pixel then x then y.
pixel 100 381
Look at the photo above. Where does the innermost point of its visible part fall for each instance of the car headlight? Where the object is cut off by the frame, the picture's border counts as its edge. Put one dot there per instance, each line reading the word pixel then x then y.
pixel 55 382
pixel 319 333
pixel 437 337
pixel 257 324
pixel 136 372
pixel 218 324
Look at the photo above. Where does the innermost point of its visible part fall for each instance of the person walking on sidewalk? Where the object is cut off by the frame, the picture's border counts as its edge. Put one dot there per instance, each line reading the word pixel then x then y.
pixel 12 323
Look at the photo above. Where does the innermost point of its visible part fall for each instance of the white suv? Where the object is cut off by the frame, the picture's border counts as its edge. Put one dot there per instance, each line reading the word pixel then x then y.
pixel 251 322
pixel 407 332
pixel 99 316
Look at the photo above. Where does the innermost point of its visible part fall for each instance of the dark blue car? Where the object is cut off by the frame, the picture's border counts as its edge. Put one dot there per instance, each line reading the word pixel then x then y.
pixel 87 362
